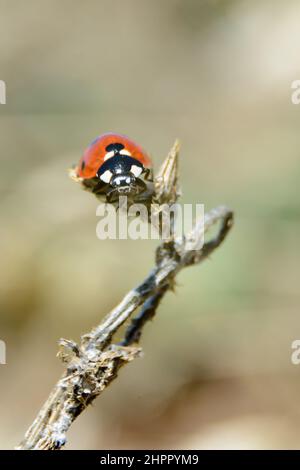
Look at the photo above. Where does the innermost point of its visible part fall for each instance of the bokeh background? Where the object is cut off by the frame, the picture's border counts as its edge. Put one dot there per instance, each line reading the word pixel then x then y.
pixel 216 371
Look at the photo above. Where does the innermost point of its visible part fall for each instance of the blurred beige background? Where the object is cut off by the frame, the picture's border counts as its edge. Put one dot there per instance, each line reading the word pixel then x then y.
pixel 217 74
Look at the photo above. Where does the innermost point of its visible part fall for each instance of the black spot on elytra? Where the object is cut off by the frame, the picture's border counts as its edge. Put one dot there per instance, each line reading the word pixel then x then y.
pixel 116 147
pixel 83 165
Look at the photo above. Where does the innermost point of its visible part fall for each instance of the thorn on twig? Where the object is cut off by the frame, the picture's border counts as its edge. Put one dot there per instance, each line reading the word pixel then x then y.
pixel 166 180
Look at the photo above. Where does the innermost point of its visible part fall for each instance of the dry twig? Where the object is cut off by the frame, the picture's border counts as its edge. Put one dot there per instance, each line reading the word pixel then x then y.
pixel 94 363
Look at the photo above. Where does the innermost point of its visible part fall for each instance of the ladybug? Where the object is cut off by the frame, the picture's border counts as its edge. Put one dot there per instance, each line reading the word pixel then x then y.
pixel 113 165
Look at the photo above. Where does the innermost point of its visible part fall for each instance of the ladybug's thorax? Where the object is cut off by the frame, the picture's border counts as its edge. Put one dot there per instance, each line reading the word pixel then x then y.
pixel 120 170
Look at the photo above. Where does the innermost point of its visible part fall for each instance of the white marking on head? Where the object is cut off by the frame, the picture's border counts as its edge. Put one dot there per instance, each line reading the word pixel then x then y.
pixel 125 152
pixel 136 170
pixel 128 180
pixel 109 155
pixel 106 176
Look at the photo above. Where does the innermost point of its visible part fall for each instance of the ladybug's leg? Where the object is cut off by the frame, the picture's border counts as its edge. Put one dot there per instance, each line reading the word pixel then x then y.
pixel 141 185
pixel 148 174
pixel 99 188
pixel 110 196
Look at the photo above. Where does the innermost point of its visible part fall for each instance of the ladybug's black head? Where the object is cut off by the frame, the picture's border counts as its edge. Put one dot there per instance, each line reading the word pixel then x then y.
pixel 123 183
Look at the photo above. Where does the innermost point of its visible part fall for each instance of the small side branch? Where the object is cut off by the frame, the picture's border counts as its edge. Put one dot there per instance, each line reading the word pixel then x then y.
pixel 94 363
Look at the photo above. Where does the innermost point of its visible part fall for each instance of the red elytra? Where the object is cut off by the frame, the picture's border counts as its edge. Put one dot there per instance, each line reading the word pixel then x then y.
pixel 94 155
